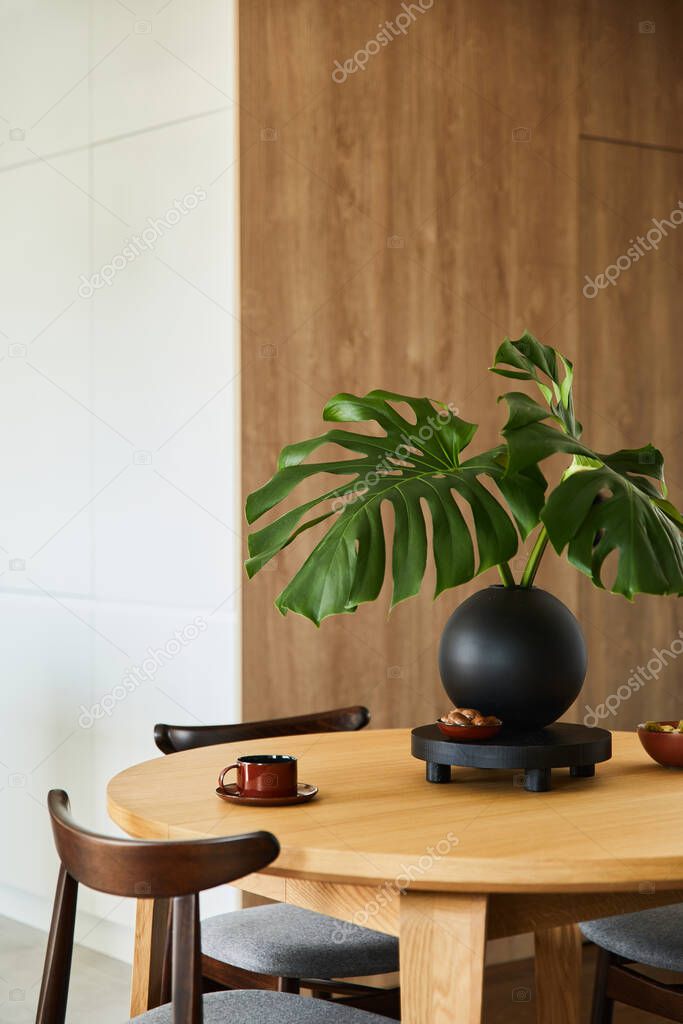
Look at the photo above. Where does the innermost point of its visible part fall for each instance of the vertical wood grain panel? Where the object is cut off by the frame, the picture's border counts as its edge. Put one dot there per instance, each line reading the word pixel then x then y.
pixel 630 395
pixel 631 381
pixel 394 228
pixel 633 71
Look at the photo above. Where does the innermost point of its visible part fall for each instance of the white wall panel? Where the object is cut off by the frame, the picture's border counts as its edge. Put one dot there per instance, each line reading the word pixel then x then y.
pixel 119 521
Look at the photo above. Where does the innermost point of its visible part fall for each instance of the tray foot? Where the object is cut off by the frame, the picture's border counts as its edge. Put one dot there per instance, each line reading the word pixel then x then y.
pixel 538 780
pixel 438 772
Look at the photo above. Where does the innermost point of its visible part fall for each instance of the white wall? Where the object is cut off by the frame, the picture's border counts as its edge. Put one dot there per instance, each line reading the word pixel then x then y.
pixel 119 515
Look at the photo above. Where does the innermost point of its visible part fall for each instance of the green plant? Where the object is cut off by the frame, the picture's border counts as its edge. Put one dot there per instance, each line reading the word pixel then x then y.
pixel 603 503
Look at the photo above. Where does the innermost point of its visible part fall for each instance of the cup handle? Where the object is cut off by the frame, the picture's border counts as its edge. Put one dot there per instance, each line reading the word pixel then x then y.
pixel 225 771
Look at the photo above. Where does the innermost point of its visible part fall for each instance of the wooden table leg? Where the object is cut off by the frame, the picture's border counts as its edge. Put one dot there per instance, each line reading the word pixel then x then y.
pixel 151 925
pixel 558 975
pixel 442 947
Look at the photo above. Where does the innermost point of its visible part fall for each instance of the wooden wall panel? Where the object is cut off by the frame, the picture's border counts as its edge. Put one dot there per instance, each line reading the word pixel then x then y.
pixel 631 382
pixel 394 228
pixel 631 68
pixel 632 394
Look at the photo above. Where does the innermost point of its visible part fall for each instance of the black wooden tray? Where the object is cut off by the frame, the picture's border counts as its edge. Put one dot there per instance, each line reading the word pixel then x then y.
pixel 561 745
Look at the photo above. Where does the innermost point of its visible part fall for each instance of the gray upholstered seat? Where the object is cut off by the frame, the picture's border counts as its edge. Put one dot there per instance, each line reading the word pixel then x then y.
pixel 261 1007
pixel 290 942
pixel 651 937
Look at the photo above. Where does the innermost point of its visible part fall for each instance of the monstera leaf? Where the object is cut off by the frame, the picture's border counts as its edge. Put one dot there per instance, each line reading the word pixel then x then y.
pixel 410 466
pixel 605 502
pixel 528 359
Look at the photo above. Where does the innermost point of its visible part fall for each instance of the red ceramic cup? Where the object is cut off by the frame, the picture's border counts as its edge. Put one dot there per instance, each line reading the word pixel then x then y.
pixel 264 775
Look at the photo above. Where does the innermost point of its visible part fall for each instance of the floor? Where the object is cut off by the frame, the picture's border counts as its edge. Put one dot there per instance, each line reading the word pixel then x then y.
pixel 510 995
pixel 100 986
pixel 99 990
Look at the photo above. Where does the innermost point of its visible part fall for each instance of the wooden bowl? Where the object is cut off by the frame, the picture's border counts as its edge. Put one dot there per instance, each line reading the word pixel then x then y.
pixel 469 733
pixel 666 748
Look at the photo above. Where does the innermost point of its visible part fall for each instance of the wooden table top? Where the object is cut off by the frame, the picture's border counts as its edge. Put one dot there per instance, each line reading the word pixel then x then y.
pixel 376 818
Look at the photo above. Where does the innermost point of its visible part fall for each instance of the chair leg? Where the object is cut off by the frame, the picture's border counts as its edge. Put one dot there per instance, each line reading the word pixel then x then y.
pixel 603 1006
pixel 54 989
pixel 186 966
pixel 289 985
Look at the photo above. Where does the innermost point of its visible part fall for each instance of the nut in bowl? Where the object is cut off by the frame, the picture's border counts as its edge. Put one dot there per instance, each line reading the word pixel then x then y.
pixel 663 741
pixel 467 725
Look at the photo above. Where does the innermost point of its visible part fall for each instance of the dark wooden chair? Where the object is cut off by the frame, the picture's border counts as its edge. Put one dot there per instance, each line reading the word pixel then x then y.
pixel 651 938
pixel 166 870
pixel 279 946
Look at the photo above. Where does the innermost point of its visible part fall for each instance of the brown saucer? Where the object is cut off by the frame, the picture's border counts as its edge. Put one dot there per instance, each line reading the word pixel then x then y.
pixel 231 793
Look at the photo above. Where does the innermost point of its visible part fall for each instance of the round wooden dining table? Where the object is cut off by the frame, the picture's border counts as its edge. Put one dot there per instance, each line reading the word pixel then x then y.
pixel 444 867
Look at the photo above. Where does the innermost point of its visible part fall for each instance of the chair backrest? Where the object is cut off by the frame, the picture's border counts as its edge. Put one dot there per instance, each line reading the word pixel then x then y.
pixel 143 870
pixel 172 738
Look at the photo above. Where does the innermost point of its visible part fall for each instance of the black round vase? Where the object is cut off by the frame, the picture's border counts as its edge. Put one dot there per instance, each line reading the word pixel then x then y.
pixel 514 652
